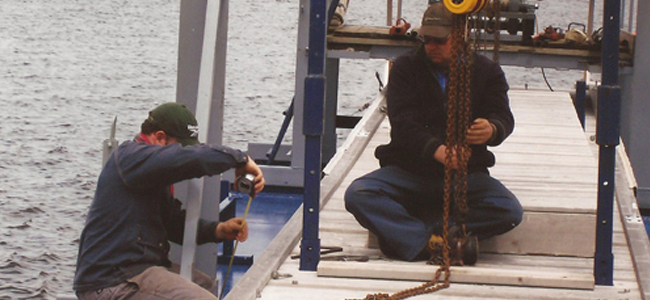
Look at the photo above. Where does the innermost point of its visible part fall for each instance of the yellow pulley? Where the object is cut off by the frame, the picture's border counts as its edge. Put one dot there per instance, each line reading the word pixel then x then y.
pixel 460 7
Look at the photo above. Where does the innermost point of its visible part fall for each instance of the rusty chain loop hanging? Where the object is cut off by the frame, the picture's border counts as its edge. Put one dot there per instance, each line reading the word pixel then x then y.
pixel 458 119
pixel 457 151
pixel 458 122
pixel 496 6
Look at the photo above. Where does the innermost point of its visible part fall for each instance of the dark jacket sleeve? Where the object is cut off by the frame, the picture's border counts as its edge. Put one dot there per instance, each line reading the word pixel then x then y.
pixel 151 166
pixel 493 102
pixel 174 221
pixel 145 168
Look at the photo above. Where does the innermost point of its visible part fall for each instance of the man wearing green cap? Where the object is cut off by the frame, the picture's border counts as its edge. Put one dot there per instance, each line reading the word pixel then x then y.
pixel 402 202
pixel 124 245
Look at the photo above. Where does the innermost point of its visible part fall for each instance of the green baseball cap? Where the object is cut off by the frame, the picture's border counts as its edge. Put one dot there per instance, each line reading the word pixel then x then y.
pixel 177 121
pixel 436 21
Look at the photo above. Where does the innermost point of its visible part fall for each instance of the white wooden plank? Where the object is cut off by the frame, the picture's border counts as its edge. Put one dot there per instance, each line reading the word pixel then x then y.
pixel 301 289
pixel 552 234
pixel 547 234
pixel 414 272
pixel 304 285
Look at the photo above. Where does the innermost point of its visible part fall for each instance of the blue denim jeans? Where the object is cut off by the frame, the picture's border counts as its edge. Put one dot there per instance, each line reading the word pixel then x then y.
pixel 403 209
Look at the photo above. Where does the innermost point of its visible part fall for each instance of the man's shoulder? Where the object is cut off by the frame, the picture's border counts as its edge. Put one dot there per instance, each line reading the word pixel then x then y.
pixel 131 149
pixel 483 60
pixel 483 65
pixel 131 145
pixel 410 53
pixel 410 57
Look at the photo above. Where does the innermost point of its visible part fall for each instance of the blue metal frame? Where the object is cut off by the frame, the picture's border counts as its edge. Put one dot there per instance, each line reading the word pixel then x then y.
pixel 288 115
pixel 607 138
pixel 313 131
pixel 580 101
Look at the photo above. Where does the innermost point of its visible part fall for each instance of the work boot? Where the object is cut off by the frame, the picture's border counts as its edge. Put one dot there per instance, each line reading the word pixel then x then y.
pixel 435 248
pixel 463 248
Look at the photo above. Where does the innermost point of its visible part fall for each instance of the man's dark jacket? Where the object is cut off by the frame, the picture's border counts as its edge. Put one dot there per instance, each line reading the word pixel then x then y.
pixel 417 109
pixel 134 214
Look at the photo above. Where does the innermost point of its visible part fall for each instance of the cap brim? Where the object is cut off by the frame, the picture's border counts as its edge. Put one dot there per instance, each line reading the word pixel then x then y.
pixel 435 31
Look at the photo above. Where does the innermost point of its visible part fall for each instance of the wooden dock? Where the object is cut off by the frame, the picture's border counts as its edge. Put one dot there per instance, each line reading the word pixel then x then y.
pixel 547 162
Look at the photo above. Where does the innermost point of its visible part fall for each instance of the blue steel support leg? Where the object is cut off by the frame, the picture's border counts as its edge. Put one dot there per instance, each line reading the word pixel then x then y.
pixel 288 115
pixel 310 245
pixel 604 258
pixel 607 137
pixel 580 101
pixel 331 109
pixel 313 131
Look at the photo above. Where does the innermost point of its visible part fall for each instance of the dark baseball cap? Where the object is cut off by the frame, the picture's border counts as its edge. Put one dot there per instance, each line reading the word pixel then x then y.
pixel 436 21
pixel 177 121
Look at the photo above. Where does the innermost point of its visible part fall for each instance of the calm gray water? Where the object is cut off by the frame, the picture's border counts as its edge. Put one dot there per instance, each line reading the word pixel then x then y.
pixel 68 66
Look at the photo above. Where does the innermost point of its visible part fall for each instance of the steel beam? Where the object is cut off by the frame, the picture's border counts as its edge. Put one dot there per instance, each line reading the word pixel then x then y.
pixel 312 130
pixel 200 86
pixel 607 138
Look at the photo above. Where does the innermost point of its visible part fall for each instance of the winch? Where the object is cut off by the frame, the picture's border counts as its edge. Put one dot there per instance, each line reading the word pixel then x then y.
pixel 516 17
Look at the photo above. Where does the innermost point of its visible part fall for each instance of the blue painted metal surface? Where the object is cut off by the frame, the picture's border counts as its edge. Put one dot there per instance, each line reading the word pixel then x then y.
pixel 269 212
pixel 646 222
pixel 310 244
pixel 607 138
pixel 609 115
pixel 313 131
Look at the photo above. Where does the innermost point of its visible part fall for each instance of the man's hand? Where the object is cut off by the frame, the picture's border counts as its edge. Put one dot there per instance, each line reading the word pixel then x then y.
pixel 252 168
pixel 480 132
pixel 232 229
pixel 441 156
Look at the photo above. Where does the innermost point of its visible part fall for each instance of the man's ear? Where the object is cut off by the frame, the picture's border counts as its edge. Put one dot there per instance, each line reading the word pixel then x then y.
pixel 159 138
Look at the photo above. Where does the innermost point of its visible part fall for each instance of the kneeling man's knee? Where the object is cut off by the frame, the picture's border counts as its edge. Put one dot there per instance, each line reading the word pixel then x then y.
pixel 515 215
pixel 352 196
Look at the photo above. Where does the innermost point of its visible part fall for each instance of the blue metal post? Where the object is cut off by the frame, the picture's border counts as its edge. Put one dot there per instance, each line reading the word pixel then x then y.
pixel 580 101
pixel 288 115
pixel 331 109
pixel 313 131
pixel 607 138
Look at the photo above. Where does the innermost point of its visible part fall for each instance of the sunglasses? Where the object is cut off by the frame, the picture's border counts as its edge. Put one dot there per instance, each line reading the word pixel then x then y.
pixel 435 40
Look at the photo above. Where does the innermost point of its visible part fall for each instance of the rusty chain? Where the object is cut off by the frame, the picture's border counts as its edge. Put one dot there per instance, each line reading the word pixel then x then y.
pixel 458 122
